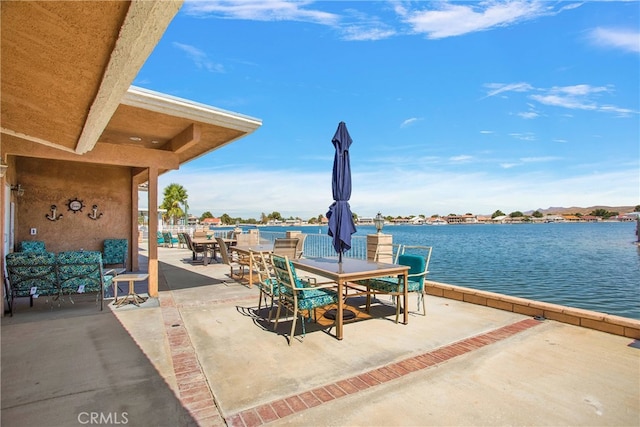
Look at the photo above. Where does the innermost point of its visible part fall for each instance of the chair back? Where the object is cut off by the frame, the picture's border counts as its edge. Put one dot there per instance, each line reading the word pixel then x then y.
pixel 387 253
pixel 115 251
pixel 193 247
pixel 26 270
pixel 80 268
pixel 285 247
pixel 263 269
pixel 300 247
pixel 32 246
pixel 423 251
pixel 182 240
pixel 417 267
pixel 247 239
pixel 224 252
pixel 286 278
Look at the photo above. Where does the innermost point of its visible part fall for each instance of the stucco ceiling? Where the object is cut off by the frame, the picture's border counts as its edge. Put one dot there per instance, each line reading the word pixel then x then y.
pixel 66 72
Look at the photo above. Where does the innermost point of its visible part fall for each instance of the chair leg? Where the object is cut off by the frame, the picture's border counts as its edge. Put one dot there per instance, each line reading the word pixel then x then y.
pixel 275 326
pixel 424 304
pixel 293 325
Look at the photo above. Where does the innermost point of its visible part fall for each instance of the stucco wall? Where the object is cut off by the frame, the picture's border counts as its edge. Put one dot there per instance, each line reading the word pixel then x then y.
pixel 54 182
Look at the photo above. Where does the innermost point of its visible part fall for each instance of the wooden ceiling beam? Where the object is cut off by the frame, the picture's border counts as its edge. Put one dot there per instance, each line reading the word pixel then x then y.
pixel 186 139
pixel 106 154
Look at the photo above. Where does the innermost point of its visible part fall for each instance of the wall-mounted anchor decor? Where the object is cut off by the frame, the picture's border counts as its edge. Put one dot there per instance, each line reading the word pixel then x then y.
pixel 54 214
pixel 75 205
pixel 94 213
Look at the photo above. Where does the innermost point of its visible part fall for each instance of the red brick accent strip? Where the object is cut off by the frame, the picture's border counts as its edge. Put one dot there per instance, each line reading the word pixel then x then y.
pixel 193 389
pixel 282 408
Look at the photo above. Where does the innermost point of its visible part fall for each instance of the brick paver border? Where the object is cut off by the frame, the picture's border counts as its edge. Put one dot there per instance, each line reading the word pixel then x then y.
pixel 282 408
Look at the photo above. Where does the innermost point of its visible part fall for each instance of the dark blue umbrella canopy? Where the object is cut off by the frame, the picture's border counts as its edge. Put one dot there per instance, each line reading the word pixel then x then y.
pixel 341 225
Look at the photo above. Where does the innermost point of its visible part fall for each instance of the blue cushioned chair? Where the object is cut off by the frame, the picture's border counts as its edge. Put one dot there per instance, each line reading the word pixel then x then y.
pixel 266 280
pixel 32 246
pixel 115 252
pixel 30 274
pixel 81 272
pixel 418 270
pixel 169 240
pixel 159 238
pixel 298 295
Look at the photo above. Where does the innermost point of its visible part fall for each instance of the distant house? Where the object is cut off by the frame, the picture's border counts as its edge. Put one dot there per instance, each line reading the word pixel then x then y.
pixel 365 220
pixel 211 222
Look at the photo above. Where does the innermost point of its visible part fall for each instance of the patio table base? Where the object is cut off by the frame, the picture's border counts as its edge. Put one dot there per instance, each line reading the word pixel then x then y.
pixel 346 314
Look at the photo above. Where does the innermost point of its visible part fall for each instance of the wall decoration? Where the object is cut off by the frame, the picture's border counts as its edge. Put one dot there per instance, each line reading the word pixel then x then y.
pixel 94 213
pixel 54 214
pixel 75 205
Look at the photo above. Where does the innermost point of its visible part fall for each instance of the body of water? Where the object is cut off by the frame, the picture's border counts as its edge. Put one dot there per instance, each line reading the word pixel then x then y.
pixel 595 266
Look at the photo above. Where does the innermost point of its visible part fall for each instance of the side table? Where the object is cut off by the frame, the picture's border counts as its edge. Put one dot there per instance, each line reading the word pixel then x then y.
pixel 131 296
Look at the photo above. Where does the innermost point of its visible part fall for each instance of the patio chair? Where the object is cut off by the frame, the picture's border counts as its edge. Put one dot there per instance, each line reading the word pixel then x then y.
pixel 32 246
pixel 159 238
pixel 300 245
pixel 239 262
pixel 387 252
pixel 418 270
pixel 114 252
pixel 169 240
pixel 200 234
pixel 31 274
pixel 247 239
pixel 182 242
pixel 285 247
pixel 297 295
pixel 194 248
pixel 266 280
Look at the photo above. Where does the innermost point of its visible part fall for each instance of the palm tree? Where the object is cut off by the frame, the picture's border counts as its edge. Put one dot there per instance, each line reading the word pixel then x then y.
pixel 174 196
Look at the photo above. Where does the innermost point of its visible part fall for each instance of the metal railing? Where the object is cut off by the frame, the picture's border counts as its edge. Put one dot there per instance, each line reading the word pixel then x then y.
pixel 320 245
pixel 315 245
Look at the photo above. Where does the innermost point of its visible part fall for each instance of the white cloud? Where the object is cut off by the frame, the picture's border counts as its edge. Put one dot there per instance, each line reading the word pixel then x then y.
pixel 410 121
pixel 627 40
pixel 199 57
pixel 574 97
pixel 498 88
pixel 363 33
pixel 527 136
pixel 458 19
pixel 260 10
pixel 528 115
pixel 463 158
pixel 247 192
pixel 539 159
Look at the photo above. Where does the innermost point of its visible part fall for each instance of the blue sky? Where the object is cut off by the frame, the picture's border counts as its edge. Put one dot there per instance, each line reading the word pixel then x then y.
pixel 453 107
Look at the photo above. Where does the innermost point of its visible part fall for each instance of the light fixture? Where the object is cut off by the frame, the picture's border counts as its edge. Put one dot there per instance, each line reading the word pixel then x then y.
pixel 379 222
pixel 135 138
pixel 18 189
pixel 3 169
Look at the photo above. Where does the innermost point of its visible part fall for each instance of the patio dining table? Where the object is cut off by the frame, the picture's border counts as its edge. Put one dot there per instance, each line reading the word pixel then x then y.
pixel 264 249
pixel 350 270
pixel 210 244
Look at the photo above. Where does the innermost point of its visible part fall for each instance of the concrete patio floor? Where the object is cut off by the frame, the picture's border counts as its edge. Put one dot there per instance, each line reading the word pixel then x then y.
pixel 200 354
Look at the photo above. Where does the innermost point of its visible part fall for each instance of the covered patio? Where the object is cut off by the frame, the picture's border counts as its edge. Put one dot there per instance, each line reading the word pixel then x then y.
pixel 74 130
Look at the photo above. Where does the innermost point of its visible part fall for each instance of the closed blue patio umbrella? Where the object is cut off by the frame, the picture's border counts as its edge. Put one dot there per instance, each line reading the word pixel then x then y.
pixel 341 225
